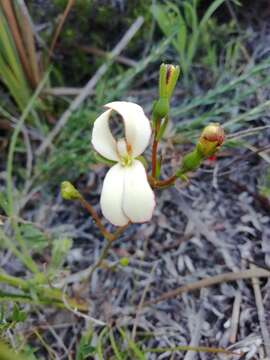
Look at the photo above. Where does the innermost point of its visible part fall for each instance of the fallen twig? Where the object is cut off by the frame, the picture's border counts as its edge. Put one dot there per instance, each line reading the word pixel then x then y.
pixel 195 335
pixel 214 280
pixel 235 316
pixel 95 51
pixel 69 5
pixel 261 312
pixel 140 306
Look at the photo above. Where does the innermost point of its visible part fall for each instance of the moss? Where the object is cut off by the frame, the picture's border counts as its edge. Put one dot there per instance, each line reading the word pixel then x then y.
pixel 97 24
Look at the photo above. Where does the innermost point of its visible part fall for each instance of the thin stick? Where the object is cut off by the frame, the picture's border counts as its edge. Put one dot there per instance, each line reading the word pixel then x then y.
pixel 140 306
pixel 214 280
pixel 63 91
pixel 261 312
pixel 247 132
pixel 78 313
pixel 90 85
pixel 121 59
pixel 235 317
pixel 191 348
pixel 60 26
pixel 195 335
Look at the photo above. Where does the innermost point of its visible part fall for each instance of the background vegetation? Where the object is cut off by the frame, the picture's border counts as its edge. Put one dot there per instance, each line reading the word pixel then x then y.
pixel 49 53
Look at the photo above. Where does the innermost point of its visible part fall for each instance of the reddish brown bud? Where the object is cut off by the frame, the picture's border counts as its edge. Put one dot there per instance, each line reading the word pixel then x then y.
pixel 211 139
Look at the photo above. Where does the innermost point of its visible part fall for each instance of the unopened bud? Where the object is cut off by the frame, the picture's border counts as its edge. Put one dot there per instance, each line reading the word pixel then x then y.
pixel 69 192
pixel 168 77
pixel 124 261
pixel 210 140
pixel 191 162
pixel 161 108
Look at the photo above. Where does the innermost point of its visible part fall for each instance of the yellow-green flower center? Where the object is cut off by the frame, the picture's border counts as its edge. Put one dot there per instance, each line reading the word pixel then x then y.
pixel 124 153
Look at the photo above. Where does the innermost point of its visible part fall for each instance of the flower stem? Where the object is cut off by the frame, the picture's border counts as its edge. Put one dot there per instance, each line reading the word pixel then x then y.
pixel 96 218
pixel 160 184
pixel 103 255
pixel 110 237
pixel 154 149
pixel 106 249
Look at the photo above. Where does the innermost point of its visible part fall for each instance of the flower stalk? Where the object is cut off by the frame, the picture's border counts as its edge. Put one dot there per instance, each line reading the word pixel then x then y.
pixel 155 148
pixel 69 192
pixel 168 76
pixel 127 195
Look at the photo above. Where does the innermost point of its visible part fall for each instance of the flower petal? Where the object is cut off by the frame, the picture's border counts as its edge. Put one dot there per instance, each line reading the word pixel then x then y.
pixel 138 197
pixel 137 125
pixel 112 196
pixel 102 138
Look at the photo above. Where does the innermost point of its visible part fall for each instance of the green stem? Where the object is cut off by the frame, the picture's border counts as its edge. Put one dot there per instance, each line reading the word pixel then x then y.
pixel 25 299
pixel 14 139
pixel 45 295
pixel 155 148
pixel 13 281
pixel 9 244
pixel 103 255
pixel 27 259
pixel 106 249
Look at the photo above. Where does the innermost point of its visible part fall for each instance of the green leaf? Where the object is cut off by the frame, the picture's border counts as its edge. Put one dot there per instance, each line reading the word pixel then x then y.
pixel 100 343
pixel 34 238
pixel 114 346
pixel 4 202
pixel 18 315
pixel 7 354
pixel 133 347
pixel 209 12
pixel 59 251
pixel 160 15
pixel 29 353
pixel 85 349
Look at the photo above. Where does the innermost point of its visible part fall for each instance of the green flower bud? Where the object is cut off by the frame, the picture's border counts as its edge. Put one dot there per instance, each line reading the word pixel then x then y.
pixel 124 261
pixel 168 76
pixel 69 192
pixel 191 162
pixel 161 108
pixel 210 140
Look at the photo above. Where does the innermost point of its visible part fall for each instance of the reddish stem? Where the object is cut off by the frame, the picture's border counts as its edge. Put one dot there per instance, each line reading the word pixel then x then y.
pixel 170 181
pixel 96 218
pixel 158 184
pixel 154 150
pixel 108 235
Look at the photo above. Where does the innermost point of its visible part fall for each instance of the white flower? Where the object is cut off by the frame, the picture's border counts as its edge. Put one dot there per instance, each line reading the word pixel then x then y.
pixel 126 195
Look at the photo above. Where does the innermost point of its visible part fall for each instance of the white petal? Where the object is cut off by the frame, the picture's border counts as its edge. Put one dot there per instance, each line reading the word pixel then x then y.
pixel 112 196
pixel 137 125
pixel 102 138
pixel 138 197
